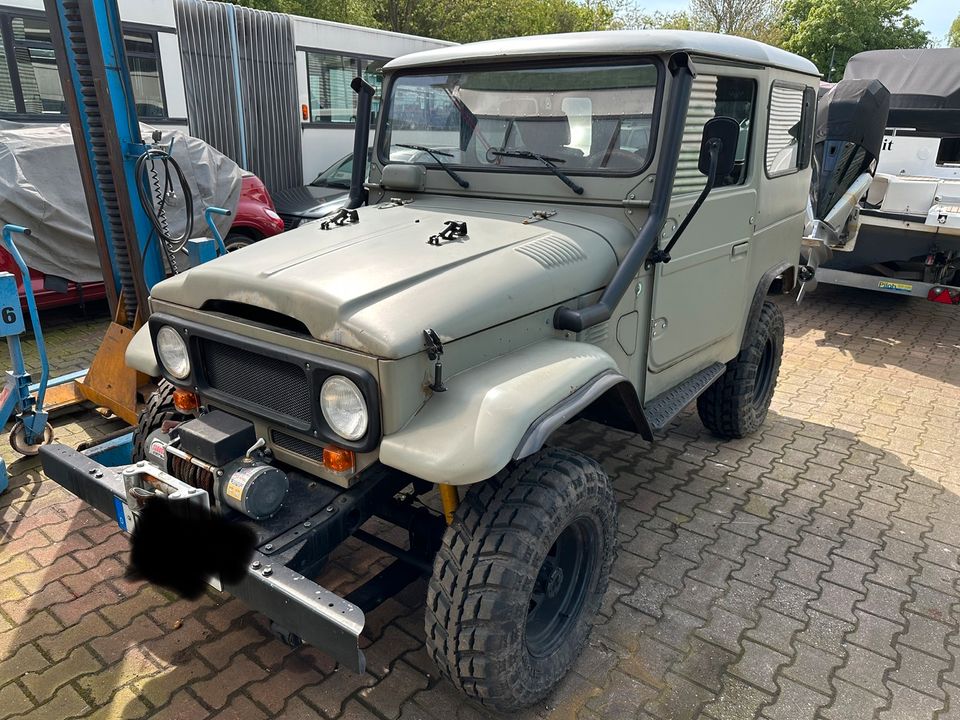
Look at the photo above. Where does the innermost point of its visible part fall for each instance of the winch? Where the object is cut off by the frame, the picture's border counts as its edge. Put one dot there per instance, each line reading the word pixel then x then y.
pixel 221 454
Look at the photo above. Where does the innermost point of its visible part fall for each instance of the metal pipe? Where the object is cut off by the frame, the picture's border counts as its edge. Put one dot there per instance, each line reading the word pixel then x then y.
pixel 361 138
pixel 450 499
pixel 683 72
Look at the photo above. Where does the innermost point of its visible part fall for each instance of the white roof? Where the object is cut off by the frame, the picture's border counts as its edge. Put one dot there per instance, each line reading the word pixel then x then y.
pixel 615 42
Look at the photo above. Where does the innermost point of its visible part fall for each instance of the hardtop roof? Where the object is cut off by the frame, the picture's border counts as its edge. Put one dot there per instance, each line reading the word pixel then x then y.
pixel 609 42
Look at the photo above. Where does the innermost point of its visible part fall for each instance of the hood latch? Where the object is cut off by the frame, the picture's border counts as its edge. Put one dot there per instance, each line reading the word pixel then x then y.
pixel 434 352
pixel 454 229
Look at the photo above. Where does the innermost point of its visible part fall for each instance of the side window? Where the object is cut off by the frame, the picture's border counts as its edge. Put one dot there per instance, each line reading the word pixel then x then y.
pixel 713 96
pixel 36 67
pixel 785 128
pixel 332 100
pixel 143 59
pixel 30 84
pixel 736 98
pixel 328 77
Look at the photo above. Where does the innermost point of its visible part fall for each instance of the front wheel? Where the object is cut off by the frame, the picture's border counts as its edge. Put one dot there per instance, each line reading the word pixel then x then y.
pixel 737 403
pixel 520 576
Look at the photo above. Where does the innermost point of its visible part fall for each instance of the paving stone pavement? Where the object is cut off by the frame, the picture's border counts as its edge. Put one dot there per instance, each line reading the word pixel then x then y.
pixel 809 571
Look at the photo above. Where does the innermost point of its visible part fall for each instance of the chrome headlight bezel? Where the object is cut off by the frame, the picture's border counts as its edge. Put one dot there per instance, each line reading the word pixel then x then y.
pixel 173 353
pixel 344 407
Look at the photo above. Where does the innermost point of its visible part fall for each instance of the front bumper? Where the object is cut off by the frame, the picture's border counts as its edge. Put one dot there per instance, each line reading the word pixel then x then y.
pixel 294 602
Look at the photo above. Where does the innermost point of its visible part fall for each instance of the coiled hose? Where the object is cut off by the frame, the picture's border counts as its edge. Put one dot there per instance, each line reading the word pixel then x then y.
pixel 148 177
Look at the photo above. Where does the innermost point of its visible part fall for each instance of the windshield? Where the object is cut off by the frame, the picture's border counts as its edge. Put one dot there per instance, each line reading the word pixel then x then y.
pixel 583 119
pixel 337 175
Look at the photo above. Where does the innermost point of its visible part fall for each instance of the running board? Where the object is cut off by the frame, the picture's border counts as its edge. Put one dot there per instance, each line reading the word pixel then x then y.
pixel 667 405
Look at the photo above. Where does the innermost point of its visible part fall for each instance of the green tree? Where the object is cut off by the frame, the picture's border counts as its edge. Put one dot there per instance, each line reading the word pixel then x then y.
pixel 470 20
pixel 953 37
pixel 755 19
pixel 835 30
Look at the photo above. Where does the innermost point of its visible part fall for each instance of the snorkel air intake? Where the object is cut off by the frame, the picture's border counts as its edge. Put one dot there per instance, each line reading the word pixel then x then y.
pixel 361 137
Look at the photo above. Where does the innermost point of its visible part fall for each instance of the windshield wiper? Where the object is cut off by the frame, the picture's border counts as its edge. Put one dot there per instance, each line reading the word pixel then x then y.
pixel 434 154
pixel 548 162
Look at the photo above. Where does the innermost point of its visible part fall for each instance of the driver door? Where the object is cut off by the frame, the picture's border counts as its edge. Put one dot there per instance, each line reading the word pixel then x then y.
pixel 699 295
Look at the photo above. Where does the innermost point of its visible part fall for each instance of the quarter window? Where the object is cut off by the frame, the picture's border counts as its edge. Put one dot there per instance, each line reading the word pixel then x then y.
pixel 143 59
pixel 785 130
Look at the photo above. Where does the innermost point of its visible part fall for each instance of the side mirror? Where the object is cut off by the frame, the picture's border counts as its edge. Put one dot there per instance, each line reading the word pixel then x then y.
pixel 718 151
pixel 720 137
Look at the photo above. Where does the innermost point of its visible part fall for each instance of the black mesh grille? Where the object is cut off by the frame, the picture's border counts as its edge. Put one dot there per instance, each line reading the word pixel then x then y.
pixel 274 384
pixel 298 446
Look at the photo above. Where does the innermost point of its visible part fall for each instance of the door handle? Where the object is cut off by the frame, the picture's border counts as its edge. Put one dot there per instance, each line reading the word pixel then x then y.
pixel 740 249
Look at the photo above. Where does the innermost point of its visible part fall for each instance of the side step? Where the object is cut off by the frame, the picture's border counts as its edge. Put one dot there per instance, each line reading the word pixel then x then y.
pixel 667 405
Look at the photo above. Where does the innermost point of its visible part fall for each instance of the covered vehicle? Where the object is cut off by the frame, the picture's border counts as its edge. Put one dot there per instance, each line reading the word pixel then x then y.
pixel 37 163
pixel 908 239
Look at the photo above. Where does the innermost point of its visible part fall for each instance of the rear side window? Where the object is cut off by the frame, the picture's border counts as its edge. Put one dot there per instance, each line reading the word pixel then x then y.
pixel 790 114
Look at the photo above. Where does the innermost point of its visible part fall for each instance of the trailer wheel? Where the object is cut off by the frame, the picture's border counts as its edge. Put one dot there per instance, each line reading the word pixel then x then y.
pixel 158 410
pixel 520 576
pixel 736 404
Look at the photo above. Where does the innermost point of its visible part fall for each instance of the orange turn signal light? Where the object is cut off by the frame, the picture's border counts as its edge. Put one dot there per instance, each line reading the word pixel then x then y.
pixel 185 400
pixel 338 459
pixel 304 112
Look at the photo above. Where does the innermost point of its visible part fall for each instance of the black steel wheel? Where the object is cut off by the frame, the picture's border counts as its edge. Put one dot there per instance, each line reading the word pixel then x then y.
pixel 737 403
pixel 520 576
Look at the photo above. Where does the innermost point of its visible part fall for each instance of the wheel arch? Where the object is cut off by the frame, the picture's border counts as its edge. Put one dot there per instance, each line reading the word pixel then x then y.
pixel 505 409
pixel 609 399
pixel 777 280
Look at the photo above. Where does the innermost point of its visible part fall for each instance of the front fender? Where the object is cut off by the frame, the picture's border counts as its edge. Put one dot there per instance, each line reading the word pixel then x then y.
pixel 471 431
pixel 140 355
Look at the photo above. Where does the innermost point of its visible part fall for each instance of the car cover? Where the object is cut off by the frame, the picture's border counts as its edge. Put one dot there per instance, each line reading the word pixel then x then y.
pixel 40 188
pixel 924 85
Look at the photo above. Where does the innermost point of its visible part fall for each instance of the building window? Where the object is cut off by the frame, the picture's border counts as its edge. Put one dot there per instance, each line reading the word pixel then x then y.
pixel 30 84
pixel 332 100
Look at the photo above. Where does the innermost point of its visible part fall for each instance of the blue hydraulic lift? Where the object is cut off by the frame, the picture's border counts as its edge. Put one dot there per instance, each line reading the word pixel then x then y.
pixel 88 44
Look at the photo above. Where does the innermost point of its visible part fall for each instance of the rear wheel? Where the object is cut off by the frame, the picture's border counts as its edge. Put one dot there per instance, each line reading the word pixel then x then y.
pixel 737 404
pixel 236 241
pixel 519 577
pixel 158 410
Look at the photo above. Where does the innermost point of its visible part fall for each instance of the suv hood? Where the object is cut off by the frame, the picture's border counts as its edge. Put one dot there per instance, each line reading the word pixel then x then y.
pixel 376 285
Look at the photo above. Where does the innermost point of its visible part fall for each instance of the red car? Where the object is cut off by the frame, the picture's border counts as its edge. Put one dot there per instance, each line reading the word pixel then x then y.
pixel 254 219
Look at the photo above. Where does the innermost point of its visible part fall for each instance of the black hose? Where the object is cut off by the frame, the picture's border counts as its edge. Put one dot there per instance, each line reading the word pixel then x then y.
pixel 155 207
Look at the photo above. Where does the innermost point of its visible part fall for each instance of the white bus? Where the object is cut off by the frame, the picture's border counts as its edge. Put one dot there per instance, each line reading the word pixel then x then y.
pixel 186 60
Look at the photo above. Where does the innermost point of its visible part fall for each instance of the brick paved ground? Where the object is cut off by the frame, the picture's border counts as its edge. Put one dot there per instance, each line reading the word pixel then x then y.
pixel 809 571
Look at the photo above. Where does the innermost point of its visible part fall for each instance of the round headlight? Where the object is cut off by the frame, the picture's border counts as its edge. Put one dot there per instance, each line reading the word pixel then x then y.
pixel 172 350
pixel 343 407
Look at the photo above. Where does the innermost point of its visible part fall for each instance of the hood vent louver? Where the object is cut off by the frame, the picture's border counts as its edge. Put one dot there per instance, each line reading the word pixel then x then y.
pixel 552 251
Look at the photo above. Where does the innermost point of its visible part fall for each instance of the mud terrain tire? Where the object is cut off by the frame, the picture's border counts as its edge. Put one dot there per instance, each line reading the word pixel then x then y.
pixel 520 576
pixel 155 413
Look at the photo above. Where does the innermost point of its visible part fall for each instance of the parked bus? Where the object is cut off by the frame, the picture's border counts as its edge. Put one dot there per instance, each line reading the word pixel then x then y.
pixel 271 91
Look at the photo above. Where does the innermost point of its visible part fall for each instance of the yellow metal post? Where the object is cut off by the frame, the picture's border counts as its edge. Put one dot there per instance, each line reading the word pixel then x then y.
pixel 450 499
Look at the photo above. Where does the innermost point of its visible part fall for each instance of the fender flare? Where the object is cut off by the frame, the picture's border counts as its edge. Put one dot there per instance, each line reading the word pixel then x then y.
pixel 499 411
pixel 760 295
pixel 140 355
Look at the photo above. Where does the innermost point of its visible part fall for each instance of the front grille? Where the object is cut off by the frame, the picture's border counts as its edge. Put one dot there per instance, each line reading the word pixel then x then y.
pixel 277 385
pixel 297 446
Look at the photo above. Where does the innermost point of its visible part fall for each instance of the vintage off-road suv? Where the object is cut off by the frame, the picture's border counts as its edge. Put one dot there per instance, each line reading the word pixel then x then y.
pixel 563 227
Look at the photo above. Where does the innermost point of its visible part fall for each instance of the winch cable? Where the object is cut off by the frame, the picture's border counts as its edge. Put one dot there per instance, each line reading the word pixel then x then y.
pixel 148 177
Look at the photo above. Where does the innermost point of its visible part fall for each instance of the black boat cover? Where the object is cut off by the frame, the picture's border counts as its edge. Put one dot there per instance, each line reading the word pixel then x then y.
pixel 854 111
pixel 924 85
pixel 851 118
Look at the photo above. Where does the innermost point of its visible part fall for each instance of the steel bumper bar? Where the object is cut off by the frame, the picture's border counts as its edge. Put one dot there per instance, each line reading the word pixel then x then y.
pixel 294 602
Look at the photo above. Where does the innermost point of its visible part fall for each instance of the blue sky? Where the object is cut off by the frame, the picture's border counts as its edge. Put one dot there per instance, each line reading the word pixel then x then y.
pixel 935 14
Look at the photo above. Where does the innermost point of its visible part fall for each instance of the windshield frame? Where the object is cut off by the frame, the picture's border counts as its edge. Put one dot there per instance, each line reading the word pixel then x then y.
pixel 655 61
